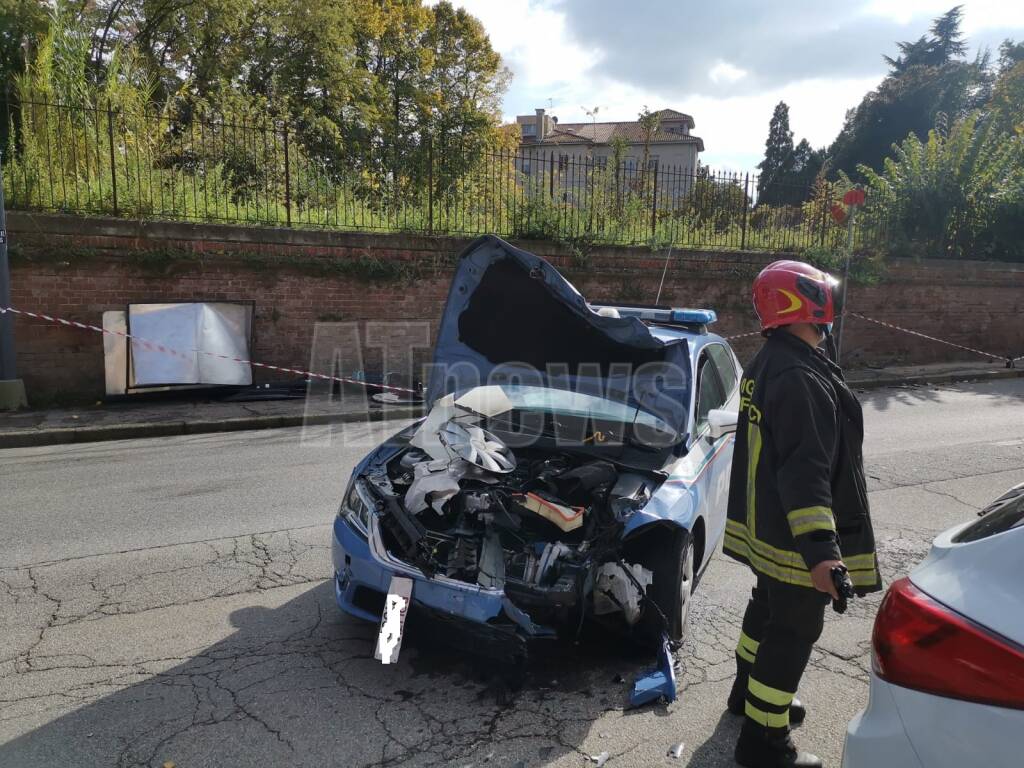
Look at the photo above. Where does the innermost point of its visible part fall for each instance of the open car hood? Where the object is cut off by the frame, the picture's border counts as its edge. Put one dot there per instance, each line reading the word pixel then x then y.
pixel 511 317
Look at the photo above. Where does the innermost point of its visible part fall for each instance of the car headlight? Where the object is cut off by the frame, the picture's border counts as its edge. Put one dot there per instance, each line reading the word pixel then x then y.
pixel 355 508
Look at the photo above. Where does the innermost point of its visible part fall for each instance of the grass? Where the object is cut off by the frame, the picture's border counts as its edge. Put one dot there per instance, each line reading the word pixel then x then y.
pixel 64 161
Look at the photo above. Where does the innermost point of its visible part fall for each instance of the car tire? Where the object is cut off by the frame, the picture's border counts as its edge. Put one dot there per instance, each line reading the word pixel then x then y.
pixel 671 561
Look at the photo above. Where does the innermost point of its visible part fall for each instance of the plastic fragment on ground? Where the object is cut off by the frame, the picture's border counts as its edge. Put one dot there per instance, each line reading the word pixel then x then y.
pixel 600 759
pixel 676 750
pixel 658 683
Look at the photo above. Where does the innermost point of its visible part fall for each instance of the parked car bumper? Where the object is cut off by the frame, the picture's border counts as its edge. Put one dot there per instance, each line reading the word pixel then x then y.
pixel 910 728
pixel 876 736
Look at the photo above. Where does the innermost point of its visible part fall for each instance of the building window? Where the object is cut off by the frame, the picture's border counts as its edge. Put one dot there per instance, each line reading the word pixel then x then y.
pixel 529 129
pixel 652 162
pixel 526 167
pixel 601 162
pixel 563 162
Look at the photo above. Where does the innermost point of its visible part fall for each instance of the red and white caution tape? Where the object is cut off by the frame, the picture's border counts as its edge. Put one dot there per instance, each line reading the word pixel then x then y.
pixel 742 335
pixel 157 347
pixel 932 338
pixel 187 355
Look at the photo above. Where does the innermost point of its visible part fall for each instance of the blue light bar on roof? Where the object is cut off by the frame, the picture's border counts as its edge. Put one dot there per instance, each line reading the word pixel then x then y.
pixel 659 315
pixel 698 316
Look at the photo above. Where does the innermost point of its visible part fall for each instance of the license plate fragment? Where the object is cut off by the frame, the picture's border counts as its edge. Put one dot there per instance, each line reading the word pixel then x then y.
pixel 392 622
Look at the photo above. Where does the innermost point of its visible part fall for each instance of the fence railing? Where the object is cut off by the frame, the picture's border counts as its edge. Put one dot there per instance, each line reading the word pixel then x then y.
pixel 101 160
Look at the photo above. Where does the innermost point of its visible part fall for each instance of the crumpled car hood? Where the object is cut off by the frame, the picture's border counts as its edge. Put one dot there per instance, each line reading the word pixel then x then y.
pixel 510 313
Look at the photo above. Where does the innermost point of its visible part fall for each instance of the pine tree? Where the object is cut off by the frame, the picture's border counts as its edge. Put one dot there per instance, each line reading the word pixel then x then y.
pixel 947 39
pixel 930 77
pixel 778 157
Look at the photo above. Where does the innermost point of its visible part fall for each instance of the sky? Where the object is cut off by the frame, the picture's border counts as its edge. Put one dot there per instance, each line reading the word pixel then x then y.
pixel 727 63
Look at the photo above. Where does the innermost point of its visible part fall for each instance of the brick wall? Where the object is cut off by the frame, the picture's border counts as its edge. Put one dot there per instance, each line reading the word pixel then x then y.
pixel 79 267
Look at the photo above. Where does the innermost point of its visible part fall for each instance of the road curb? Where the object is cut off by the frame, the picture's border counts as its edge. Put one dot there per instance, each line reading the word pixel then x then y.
pixel 134 431
pixel 942 378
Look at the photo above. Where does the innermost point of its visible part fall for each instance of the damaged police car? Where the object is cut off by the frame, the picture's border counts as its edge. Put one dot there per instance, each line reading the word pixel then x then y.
pixel 573 466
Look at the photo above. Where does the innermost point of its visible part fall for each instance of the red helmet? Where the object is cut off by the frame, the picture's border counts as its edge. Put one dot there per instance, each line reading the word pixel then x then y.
pixel 788 292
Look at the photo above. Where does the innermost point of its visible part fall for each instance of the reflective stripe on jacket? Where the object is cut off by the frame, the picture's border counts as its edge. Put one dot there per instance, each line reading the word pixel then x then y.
pixel 797 494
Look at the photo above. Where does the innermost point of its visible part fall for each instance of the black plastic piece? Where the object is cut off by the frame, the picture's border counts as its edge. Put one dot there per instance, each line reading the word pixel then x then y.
pixel 562 594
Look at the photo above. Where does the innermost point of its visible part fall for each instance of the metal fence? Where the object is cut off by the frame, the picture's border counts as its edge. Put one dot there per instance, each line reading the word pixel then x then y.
pixel 101 160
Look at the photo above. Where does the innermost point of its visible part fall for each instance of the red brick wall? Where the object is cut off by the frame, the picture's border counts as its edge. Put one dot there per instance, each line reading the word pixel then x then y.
pixel 78 268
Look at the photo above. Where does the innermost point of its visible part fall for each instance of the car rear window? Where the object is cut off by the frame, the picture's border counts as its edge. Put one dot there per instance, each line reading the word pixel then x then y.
pixel 1001 515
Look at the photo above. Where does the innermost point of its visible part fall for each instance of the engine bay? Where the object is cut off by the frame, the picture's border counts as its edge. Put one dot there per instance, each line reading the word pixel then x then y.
pixel 545 526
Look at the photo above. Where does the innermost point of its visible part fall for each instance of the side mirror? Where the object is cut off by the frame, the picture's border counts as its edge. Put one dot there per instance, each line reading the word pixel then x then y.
pixel 722 422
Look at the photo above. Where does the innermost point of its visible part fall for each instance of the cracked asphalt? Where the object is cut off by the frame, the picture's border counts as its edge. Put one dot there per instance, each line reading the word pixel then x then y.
pixel 167 600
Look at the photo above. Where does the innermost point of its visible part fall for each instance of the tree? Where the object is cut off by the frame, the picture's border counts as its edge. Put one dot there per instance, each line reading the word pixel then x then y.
pixel 778 157
pixel 22 25
pixel 649 123
pixel 958 193
pixel 912 54
pixel 947 41
pixel 1010 54
pixel 928 78
pixel 364 85
pixel 461 103
pixel 1006 107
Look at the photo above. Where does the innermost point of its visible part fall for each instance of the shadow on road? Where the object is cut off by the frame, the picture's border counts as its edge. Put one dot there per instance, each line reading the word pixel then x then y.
pixel 295 684
pixel 992 393
pixel 718 748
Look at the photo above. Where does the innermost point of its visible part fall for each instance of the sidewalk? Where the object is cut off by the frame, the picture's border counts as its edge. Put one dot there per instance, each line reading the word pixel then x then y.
pixel 121 421
pixel 127 420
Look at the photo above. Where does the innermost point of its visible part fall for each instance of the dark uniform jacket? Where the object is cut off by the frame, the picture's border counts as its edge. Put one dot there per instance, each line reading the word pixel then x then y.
pixel 797 495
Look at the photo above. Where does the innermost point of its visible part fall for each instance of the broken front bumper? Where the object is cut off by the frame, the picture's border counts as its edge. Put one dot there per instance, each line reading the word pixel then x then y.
pixel 363 569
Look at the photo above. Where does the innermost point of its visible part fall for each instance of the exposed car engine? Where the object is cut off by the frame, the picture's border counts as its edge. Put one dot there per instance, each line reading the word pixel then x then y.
pixel 544 526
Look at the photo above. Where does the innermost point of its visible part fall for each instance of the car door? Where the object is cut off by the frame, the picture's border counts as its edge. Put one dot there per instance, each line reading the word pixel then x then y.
pixel 717 387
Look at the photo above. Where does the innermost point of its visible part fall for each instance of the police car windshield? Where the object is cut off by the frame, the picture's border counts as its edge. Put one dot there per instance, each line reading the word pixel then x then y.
pixel 567 403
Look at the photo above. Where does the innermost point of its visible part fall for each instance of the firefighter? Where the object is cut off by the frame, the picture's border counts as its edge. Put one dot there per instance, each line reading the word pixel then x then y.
pixel 798 505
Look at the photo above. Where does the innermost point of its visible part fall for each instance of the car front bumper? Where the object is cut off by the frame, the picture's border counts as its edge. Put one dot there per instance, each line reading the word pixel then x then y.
pixel 363 570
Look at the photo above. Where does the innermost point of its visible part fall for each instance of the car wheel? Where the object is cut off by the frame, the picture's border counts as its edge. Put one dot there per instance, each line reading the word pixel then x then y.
pixel 671 561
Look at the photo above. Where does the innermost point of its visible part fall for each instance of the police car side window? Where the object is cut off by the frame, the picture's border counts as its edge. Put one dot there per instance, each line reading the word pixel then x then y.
pixel 725 363
pixel 709 390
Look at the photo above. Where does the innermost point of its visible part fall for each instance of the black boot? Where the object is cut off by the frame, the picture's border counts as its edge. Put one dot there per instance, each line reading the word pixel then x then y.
pixel 738 697
pixel 760 748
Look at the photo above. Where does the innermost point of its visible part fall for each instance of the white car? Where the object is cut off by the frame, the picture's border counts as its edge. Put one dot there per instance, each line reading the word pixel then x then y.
pixel 947 681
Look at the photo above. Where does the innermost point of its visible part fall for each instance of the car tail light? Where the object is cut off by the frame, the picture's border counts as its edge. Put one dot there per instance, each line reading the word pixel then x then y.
pixel 921 644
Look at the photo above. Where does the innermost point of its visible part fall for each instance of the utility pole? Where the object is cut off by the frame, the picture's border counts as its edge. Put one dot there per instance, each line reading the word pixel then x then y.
pixel 12 389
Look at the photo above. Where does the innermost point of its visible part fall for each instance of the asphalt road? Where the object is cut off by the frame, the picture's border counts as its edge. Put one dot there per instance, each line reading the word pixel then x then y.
pixel 165 600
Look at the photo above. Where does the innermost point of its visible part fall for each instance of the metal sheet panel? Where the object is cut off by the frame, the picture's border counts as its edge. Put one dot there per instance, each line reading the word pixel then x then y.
pixel 115 351
pixel 191 329
pixel 225 330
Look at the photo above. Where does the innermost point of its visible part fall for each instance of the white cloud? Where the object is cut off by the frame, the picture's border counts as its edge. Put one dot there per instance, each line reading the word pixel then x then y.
pixel 978 14
pixel 724 72
pixel 553 69
pixel 532 39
